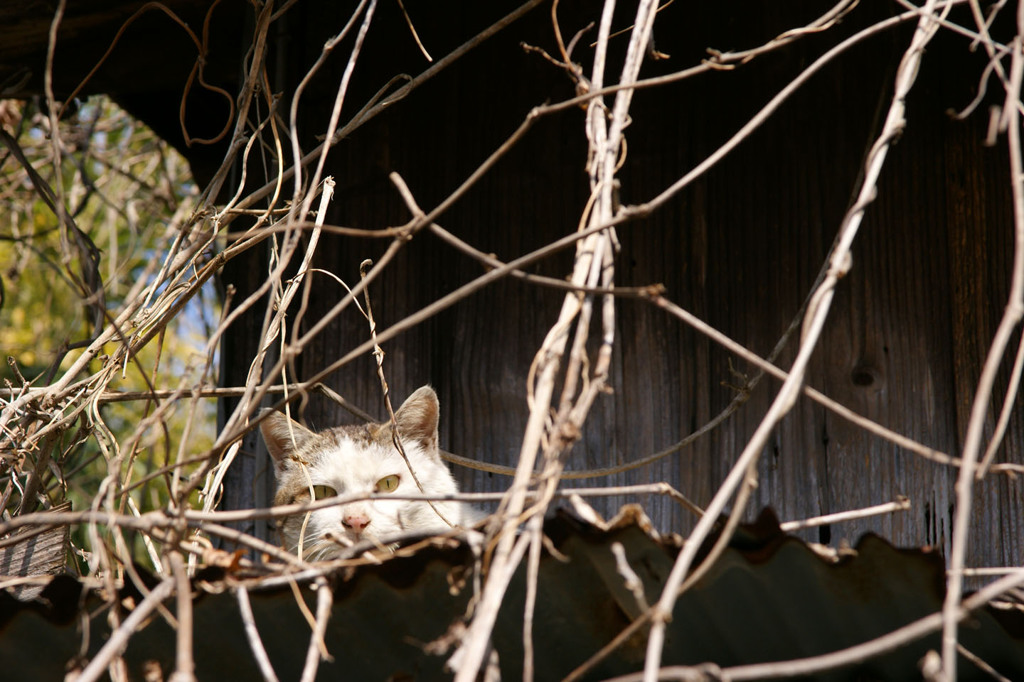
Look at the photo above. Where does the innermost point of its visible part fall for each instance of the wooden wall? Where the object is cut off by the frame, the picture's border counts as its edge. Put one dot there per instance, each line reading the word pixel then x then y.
pixel 740 248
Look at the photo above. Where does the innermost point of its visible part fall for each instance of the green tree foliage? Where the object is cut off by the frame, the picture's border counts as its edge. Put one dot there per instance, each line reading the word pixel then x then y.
pixel 125 193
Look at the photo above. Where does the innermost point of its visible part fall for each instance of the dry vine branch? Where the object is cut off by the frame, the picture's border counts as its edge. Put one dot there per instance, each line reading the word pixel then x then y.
pixel 592 266
pixel 979 409
pixel 41 417
pixel 809 666
pixel 249 622
pixel 839 261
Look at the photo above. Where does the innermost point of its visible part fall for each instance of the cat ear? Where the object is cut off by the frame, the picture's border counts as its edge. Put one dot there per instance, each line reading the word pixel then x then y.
pixel 417 417
pixel 282 435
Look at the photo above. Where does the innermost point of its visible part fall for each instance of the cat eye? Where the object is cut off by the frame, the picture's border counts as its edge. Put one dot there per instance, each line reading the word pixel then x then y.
pixel 323 491
pixel 387 484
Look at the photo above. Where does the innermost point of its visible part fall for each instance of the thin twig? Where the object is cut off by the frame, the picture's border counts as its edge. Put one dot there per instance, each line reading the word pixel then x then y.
pixel 118 639
pixel 632 580
pixel 184 669
pixel 253 635
pixel 901 504
pixel 855 654
pixel 979 409
pixel 317 649
pixel 839 264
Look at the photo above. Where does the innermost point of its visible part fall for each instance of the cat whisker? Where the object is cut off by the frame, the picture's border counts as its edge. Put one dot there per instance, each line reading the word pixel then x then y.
pixel 323 550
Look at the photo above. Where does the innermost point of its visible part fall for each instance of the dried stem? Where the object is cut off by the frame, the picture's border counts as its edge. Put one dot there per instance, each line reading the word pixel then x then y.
pixel 253 635
pixel 118 639
pixel 141 488
pixel 979 409
pixel 855 654
pixel 839 261
pixel 317 649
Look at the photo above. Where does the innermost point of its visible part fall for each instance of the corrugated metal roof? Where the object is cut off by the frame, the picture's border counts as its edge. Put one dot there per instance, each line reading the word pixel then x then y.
pixel 769 597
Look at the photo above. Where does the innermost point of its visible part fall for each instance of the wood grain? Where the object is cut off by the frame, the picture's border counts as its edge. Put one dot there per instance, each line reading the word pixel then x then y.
pixel 740 248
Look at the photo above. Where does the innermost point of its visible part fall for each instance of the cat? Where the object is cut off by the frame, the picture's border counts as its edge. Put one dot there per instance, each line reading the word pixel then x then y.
pixel 348 460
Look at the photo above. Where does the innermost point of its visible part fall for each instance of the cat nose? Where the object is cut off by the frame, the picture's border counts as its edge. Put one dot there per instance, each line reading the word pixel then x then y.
pixel 355 522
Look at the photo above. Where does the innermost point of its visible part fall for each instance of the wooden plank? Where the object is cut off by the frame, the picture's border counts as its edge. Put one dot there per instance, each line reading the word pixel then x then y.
pixel 36 552
pixel 740 248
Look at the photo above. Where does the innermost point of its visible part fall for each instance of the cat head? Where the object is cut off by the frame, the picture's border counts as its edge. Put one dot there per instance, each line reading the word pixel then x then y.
pixel 349 460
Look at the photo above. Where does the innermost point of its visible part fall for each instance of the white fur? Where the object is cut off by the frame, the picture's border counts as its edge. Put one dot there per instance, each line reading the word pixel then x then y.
pixel 352 460
pixel 353 469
